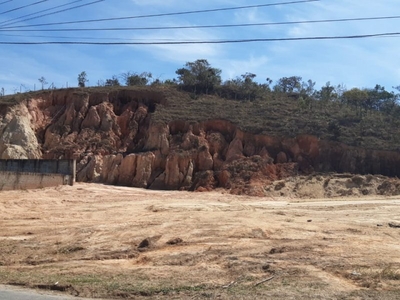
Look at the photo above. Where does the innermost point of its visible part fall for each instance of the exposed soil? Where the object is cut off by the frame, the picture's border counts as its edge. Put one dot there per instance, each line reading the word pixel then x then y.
pixel 116 242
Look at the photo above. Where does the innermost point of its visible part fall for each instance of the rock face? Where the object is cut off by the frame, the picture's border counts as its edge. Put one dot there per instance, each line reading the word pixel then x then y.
pixel 17 137
pixel 115 141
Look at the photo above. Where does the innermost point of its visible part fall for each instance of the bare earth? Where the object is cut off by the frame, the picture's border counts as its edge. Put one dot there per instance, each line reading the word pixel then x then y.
pixel 115 242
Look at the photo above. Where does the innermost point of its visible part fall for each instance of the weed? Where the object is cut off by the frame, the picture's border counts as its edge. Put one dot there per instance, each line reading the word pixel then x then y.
pixel 70 249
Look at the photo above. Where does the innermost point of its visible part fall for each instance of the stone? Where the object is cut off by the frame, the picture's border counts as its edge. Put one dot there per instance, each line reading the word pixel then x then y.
pixel 174 241
pixel 158 138
pixel 281 158
pixel 144 244
pixel 144 169
pixel 92 119
pixel 18 139
pixel 205 160
pixel 127 170
pixel 394 224
pixel 235 150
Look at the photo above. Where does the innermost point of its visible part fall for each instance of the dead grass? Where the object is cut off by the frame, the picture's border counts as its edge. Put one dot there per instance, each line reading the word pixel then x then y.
pixel 374 277
pixel 274 114
pixel 85 240
pixel 282 116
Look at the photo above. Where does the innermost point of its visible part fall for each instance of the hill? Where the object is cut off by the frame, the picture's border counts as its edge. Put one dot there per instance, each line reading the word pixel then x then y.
pixel 274 114
pixel 161 137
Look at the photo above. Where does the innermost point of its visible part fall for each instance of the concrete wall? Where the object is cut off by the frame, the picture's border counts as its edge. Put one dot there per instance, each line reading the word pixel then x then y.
pixel 41 166
pixel 25 181
pixel 18 174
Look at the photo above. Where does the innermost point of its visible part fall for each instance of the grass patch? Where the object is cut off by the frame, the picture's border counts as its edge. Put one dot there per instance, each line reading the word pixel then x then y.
pixel 373 277
pixel 70 249
pixel 134 284
pixel 96 285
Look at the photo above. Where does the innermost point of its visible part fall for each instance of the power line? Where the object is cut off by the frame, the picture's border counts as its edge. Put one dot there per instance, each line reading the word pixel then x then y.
pixel 387 34
pixel 81 37
pixel 168 14
pixel 204 26
pixel 53 13
pixel 4 2
pixel 22 7
pixel 35 13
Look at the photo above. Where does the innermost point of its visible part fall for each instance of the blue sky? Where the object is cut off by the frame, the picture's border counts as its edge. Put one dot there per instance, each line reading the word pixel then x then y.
pixel 355 63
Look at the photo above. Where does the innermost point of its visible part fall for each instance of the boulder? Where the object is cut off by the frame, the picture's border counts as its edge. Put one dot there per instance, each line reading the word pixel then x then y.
pixel 235 150
pixel 17 139
pixel 144 169
pixel 281 158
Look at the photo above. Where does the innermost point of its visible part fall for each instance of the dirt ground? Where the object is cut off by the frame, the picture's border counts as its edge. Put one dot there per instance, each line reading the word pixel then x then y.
pixel 114 242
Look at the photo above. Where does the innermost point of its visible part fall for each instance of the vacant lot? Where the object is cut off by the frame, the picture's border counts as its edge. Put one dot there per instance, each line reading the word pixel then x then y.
pixel 115 242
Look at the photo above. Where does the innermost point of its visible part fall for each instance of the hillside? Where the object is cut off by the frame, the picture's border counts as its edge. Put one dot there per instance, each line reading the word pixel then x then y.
pixel 162 138
pixel 276 114
pixel 283 116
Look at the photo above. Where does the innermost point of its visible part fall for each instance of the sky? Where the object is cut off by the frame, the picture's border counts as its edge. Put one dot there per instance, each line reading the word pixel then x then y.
pixel 361 63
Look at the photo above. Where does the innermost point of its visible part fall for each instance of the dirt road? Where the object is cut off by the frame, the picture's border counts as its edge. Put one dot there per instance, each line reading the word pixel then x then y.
pixel 11 293
pixel 115 242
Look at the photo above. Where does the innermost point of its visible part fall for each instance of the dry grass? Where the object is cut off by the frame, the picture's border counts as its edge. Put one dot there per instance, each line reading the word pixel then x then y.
pixel 86 239
pixel 374 277
pixel 274 114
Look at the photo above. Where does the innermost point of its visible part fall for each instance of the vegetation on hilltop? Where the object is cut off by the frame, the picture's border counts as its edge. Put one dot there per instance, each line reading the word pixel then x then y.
pixel 367 117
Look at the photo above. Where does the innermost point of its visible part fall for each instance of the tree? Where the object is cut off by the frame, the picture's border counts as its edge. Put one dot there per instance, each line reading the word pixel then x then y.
pixel 334 129
pixel 378 97
pixel 340 89
pixel 242 87
pixel 356 97
pixel 199 77
pixel 2 92
pixel 156 82
pixel 132 79
pixel 291 84
pixel 269 81
pixel 43 81
pixel 397 88
pixel 112 81
pixel 307 88
pixel 249 87
pixel 171 82
pixel 82 79
pixel 326 93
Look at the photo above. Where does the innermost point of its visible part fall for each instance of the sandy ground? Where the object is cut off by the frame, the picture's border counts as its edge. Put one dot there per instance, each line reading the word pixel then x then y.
pixel 115 242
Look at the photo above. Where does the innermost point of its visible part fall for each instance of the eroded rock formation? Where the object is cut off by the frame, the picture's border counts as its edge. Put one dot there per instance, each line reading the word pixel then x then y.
pixel 17 137
pixel 116 141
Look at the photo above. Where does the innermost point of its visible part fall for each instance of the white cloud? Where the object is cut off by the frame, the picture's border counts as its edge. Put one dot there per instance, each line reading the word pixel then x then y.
pixel 252 15
pixel 236 67
pixel 182 52
pixel 353 62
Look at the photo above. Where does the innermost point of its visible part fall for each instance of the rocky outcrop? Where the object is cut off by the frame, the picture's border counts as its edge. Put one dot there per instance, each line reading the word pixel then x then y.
pixel 115 141
pixel 17 137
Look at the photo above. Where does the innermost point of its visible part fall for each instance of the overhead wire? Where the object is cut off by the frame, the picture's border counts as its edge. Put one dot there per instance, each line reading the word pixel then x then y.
pixel 4 2
pixel 203 26
pixel 53 13
pixel 387 34
pixel 22 7
pixel 166 40
pixel 177 42
pixel 166 14
pixel 9 22
pixel 81 37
